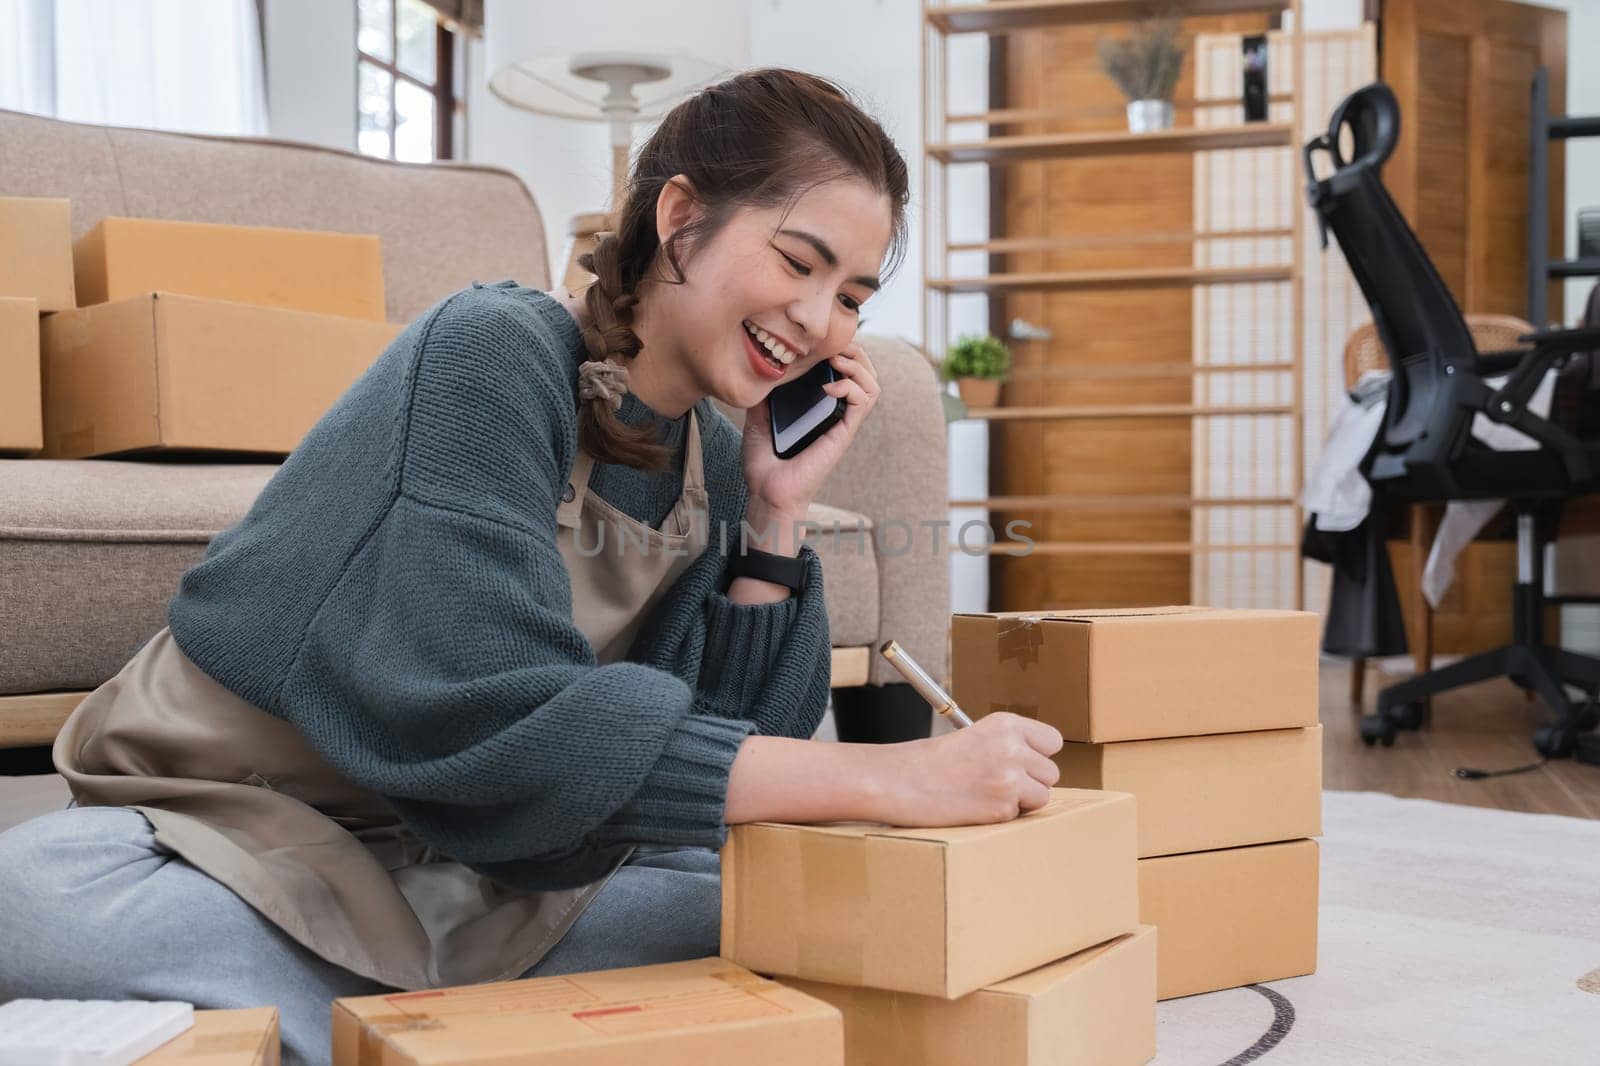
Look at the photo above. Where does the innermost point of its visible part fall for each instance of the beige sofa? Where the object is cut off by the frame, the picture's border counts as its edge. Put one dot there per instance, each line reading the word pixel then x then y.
pixel 91 551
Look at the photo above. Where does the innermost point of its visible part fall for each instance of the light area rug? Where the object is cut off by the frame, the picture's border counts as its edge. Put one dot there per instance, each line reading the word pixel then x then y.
pixel 1448 934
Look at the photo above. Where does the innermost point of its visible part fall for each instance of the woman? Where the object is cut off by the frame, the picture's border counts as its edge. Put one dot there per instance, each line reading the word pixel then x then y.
pixel 408 727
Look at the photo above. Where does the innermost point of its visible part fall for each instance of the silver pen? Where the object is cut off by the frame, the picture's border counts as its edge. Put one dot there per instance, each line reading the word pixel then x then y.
pixel 926 686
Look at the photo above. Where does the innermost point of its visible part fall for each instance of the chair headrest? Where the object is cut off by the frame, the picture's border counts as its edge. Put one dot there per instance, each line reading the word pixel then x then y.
pixel 1373 115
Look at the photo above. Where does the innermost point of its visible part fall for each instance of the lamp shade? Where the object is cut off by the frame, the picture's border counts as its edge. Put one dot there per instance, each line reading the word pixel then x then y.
pixel 674 47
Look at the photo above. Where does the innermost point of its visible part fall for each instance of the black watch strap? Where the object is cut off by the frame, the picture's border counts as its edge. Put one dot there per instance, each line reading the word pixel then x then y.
pixel 779 569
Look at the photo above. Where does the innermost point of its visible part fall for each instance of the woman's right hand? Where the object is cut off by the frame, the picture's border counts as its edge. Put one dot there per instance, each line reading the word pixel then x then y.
pixel 991 771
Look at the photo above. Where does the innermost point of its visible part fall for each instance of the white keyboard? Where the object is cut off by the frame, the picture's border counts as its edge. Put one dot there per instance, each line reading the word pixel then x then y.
pixel 87 1032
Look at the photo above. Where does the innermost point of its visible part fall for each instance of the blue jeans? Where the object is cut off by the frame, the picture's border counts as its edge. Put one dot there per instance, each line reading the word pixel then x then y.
pixel 91 907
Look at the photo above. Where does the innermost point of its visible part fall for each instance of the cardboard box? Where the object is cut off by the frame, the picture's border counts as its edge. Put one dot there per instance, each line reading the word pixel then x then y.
pixel 223 1038
pixel 938 912
pixel 707 1012
pixel 21 405
pixel 1232 917
pixel 299 270
pixel 1095 1008
pixel 1140 673
pixel 1203 793
pixel 176 373
pixel 36 238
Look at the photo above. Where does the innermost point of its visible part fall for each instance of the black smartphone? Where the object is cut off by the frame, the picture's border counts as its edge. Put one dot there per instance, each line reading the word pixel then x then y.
pixel 1255 78
pixel 801 412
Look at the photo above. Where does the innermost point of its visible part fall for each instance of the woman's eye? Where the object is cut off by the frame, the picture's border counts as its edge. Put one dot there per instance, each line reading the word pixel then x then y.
pixel 804 270
pixel 850 304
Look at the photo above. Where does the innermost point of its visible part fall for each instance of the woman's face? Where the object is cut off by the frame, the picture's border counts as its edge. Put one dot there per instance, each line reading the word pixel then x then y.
pixel 800 278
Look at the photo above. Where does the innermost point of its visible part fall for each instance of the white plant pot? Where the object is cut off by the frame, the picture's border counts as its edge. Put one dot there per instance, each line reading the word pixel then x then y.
pixel 1147 116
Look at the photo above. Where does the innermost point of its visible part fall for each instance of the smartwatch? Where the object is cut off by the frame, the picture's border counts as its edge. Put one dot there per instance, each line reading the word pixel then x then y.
pixel 765 566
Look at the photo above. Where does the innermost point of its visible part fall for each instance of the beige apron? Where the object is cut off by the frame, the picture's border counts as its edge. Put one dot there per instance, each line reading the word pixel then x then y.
pixel 239 794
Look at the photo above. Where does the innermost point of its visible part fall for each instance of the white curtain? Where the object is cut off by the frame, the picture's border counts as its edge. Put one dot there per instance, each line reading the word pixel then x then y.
pixel 190 65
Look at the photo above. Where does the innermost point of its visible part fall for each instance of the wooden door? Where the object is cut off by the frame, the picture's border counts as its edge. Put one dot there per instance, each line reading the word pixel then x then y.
pixel 1462 71
pixel 1111 346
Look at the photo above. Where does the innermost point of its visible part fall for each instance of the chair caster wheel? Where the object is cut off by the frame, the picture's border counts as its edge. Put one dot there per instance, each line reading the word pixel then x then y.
pixel 1554 741
pixel 1405 716
pixel 1377 729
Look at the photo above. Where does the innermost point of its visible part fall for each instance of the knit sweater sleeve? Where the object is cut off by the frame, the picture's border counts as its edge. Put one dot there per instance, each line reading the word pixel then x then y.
pixel 768 662
pixel 444 671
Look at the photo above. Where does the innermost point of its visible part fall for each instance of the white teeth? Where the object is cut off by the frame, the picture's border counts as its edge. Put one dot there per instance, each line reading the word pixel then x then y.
pixel 772 344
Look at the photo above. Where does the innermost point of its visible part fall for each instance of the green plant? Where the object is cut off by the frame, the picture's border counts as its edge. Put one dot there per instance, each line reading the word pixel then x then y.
pixel 973 356
pixel 1146 67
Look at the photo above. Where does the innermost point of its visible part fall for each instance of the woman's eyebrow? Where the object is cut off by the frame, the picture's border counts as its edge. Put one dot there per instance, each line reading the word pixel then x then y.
pixel 827 254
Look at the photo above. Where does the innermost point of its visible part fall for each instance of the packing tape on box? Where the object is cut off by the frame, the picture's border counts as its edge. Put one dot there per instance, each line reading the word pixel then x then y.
pixel 1017 640
pixel 376 1031
pixel 221 1044
pixel 831 938
pixel 1026 710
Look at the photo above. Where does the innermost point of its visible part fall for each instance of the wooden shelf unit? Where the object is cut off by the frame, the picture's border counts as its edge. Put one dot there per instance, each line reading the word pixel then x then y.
pixel 942 150
pixel 1023 149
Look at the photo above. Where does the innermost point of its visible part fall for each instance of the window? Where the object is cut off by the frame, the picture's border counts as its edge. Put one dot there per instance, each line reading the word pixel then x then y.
pixel 410 82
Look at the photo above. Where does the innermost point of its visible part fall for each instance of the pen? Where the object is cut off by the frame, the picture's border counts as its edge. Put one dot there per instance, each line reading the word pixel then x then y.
pixel 926 686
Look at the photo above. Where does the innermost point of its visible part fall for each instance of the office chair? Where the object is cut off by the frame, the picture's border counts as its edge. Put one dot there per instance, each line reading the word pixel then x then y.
pixel 1425 449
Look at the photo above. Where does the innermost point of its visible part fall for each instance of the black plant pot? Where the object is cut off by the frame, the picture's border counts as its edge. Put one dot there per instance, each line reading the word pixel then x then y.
pixel 870 714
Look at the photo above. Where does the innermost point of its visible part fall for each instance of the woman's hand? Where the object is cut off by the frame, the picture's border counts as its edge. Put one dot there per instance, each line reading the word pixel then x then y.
pixel 782 489
pixel 991 771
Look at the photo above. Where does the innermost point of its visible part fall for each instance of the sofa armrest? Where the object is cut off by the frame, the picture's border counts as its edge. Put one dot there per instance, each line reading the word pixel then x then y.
pixel 896 473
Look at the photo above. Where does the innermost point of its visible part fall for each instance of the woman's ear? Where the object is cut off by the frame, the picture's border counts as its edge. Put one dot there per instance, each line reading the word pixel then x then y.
pixel 675 206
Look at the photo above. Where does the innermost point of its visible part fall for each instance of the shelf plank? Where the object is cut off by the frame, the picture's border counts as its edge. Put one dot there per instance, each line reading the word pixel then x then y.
pixel 1003 16
pixel 1144 277
pixel 1095 503
pixel 1004 245
pixel 1021 148
pixel 1574 268
pixel 1575 126
pixel 1123 547
pixel 1153 410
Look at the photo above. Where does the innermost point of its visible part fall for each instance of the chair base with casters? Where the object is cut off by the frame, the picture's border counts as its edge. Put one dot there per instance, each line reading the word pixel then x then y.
pixel 1442 381
pixel 1527 661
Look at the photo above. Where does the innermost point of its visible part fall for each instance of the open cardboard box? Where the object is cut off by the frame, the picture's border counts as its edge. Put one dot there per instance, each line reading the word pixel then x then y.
pixel 937 912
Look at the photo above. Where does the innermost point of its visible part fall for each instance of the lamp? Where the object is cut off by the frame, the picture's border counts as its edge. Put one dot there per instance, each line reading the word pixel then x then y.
pixel 613 61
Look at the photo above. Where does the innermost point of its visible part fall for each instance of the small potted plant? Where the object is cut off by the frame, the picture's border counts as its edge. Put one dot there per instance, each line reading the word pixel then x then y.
pixel 977 364
pixel 1146 69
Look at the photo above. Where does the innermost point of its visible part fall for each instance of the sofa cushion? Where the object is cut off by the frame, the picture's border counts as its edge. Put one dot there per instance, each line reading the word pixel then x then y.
pixel 843 541
pixel 91 552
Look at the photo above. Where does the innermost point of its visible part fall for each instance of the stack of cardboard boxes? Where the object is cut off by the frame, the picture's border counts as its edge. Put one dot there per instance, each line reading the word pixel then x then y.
pixel 1209 717
pixel 223 1038
pixel 1008 944
pixel 151 336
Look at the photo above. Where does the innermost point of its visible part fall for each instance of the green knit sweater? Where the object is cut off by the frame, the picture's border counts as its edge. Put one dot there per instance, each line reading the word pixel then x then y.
pixel 397 595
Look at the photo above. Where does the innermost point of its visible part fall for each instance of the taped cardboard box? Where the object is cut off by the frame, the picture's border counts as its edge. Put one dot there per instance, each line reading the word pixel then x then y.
pixel 1140 673
pixel 165 373
pixel 21 406
pixel 938 912
pixel 1232 917
pixel 1201 793
pixel 36 251
pixel 707 1012
pixel 1095 1008
pixel 223 1038
pixel 298 270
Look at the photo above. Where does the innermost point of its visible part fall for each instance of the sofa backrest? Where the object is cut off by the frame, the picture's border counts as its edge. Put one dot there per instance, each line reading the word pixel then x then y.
pixel 443 226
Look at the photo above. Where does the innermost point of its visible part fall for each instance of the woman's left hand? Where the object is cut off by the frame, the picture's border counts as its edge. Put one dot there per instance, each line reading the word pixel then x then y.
pixel 784 488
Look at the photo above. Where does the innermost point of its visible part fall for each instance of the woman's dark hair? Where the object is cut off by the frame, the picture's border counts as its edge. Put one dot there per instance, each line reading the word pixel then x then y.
pixel 760 139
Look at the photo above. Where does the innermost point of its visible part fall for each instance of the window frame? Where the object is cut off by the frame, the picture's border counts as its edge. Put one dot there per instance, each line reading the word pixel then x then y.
pixel 447 107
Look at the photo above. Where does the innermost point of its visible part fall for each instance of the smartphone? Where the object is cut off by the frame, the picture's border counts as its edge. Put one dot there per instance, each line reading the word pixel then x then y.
pixel 801 412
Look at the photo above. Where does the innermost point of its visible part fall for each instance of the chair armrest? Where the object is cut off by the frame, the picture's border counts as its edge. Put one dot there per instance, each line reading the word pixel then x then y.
pixel 1563 340
pixel 896 473
pixel 1492 364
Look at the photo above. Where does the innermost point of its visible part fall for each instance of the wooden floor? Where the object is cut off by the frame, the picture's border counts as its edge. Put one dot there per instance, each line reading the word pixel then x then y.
pixel 1488 726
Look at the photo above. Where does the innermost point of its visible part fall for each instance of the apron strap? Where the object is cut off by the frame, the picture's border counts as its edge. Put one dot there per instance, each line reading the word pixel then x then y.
pixel 576 489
